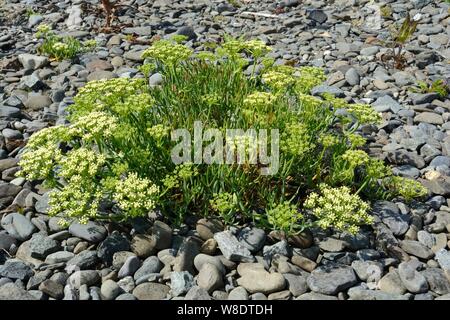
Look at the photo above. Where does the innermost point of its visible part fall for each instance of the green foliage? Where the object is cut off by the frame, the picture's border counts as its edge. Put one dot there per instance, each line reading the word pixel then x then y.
pixel 400 36
pixel 408 189
pixel 29 12
pixel 60 48
pixel 438 86
pixel 386 11
pixel 114 161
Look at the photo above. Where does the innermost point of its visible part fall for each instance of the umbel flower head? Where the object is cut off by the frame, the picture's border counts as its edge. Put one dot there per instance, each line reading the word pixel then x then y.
pixel 338 208
pixel 167 52
pixel 135 195
pixel 258 100
pixel 356 157
pixel 284 217
pixel 277 80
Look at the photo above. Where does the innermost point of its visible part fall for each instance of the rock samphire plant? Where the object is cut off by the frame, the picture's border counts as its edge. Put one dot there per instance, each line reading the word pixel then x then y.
pixel 114 160
pixel 60 48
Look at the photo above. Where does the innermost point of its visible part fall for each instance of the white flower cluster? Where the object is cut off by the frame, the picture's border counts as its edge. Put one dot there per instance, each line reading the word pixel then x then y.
pixel 135 195
pixel 95 125
pixel 338 208
pixel 79 199
pixel 39 163
pixel 82 162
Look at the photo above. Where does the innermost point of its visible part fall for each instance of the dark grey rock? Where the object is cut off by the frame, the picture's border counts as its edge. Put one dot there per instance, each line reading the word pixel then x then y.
pixel 412 279
pixel 296 284
pixel 18 226
pixel 416 249
pixel 318 16
pixel 16 269
pixel 390 215
pixel 41 246
pixel 112 244
pixel 92 231
pixel 85 260
pixel 331 279
pixel 188 32
pixel 437 281
pixel 52 288
pixel 252 238
pixel 131 265
pixel 151 265
pixel 321 89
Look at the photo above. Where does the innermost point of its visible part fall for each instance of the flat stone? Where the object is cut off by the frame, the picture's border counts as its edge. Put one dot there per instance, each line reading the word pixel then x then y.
pixel 134 55
pixel 197 293
pixel 386 103
pixel 151 291
pixel 296 284
pixel 321 89
pixel 331 279
pixel 429 117
pixel 101 75
pixel 304 263
pixel 417 249
pixel 87 259
pixel 437 281
pixel 18 226
pixel 231 248
pixel 41 246
pixel 83 277
pixel 390 215
pixel 209 277
pixel 16 270
pixel 140 31
pixel 31 61
pixel 332 245
pixel 131 265
pixel 91 231
pixel 254 278
pixel 60 256
pixel 38 102
pixel 149 266
pixel 238 293
pixel 412 280
pixel 11 291
pixel 315 296
pixel 391 283
pixel 362 294
pixel 369 271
